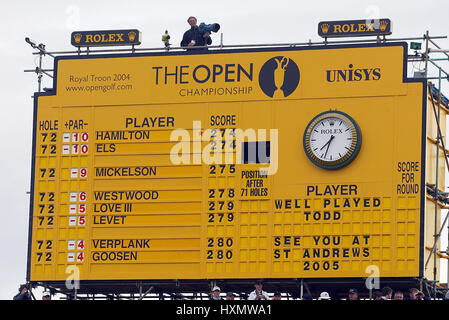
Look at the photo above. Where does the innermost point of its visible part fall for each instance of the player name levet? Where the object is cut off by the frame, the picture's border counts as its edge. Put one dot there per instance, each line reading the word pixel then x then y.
pixel 126 172
pixel 108 220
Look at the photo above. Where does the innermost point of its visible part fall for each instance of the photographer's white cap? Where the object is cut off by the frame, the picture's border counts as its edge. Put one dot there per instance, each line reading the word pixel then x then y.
pixel 324 296
pixel 216 289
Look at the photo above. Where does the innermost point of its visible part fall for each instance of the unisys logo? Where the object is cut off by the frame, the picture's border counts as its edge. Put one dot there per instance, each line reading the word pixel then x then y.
pixel 353 74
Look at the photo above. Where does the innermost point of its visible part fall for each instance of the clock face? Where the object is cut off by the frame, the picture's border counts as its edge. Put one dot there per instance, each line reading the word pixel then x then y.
pixel 332 139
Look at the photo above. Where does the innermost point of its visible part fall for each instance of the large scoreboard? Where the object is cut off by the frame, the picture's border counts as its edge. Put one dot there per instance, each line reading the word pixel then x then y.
pixel 299 162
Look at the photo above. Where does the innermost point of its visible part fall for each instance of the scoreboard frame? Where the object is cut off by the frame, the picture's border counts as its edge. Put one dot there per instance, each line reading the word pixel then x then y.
pixel 201 284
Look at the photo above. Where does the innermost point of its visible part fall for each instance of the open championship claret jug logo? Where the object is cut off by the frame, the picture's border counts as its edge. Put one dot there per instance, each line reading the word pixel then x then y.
pixel 279 77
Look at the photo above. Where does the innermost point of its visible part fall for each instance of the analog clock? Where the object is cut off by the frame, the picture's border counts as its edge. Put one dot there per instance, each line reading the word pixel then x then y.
pixel 332 139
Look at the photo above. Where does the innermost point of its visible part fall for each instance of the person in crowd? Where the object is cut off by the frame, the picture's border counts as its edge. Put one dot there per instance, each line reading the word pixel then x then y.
pixel 324 296
pixel 398 295
pixel 276 296
pixel 24 293
pixel 411 294
pixel 387 293
pixel 193 37
pixel 46 296
pixel 353 294
pixel 230 296
pixel 421 296
pixel 415 294
pixel 377 295
pixel 258 293
pixel 215 294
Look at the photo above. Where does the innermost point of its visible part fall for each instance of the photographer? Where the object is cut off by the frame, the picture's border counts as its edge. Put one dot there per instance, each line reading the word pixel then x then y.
pixel 24 293
pixel 193 37
pixel 415 294
pixel 258 294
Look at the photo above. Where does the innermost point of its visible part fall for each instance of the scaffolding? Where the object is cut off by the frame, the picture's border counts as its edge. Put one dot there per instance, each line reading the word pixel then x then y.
pixel 440 197
pixel 430 56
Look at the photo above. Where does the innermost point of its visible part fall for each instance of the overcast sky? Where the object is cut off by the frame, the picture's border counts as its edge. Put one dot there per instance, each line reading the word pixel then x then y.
pixel 242 22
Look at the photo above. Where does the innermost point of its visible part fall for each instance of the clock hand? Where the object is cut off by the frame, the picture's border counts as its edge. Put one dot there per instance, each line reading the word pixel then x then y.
pixel 327 142
pixel 328 145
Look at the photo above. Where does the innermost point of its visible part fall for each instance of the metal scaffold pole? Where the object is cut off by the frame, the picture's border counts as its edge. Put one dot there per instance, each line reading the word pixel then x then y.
pixel 439 137
pixel 39 70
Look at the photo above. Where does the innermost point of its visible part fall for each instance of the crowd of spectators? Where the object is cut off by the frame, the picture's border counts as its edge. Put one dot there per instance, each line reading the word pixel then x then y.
pixel 258 293
pixel 386 293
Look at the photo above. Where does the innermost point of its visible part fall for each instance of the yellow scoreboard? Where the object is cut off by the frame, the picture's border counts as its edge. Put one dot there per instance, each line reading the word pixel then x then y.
pixel 267 163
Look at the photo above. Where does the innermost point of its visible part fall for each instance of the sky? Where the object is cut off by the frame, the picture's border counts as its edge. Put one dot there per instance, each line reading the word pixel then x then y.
pixel 242 22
